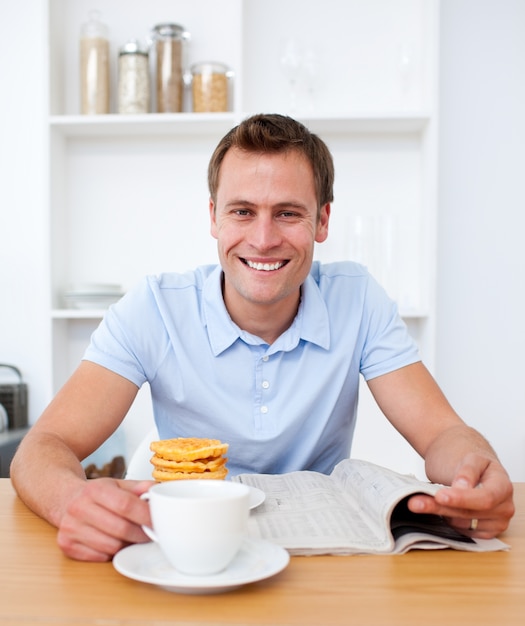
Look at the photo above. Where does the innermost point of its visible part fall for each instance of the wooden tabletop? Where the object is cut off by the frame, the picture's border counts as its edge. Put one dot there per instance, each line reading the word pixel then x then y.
pixel 38 585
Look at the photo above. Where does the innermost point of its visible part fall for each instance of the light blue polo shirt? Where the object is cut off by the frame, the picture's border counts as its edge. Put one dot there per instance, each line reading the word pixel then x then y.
pixel 281 407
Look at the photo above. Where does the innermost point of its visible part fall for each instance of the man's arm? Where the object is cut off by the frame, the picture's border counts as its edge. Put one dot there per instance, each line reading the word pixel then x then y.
pixel 95 518
pixel 454 453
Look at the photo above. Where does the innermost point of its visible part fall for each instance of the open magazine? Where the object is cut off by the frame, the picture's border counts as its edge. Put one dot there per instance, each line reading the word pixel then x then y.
pixel 361 508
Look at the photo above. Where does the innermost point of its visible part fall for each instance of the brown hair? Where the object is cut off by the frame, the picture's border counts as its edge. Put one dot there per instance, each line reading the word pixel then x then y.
pixel 277 133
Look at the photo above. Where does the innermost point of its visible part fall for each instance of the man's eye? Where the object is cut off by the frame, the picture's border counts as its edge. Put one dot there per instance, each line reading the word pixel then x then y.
pixel 242 212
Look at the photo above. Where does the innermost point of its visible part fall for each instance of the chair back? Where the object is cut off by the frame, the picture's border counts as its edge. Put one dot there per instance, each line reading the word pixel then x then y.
pixel 139 467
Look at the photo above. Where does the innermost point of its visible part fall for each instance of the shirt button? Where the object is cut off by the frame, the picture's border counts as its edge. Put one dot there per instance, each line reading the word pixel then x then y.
pixel 264 409
pixel 265 357
pixel 265 384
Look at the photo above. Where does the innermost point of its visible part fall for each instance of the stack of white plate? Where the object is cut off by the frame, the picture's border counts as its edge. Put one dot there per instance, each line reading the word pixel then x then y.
pixel 92 296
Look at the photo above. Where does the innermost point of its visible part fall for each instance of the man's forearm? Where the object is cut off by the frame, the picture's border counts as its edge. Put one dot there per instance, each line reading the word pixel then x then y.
pixel 45 473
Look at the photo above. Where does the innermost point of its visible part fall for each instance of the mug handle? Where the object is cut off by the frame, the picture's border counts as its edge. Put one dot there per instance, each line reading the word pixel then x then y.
pixel 149 531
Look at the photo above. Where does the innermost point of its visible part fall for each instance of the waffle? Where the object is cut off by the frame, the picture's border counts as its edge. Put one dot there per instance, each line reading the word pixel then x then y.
pixel 188 458
pixel 161 475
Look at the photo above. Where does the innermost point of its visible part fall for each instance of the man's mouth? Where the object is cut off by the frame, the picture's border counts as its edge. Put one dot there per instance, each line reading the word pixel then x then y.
pixel 264 267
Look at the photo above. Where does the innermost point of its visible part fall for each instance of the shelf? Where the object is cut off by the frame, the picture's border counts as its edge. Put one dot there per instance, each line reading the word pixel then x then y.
pixel 142 125
pixel 211 123
pixel 414 314
pixel 98 314
pixel 78 314
pixel 380 123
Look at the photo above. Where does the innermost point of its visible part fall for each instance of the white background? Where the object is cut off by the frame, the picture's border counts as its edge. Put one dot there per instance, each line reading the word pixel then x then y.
pixel 481 255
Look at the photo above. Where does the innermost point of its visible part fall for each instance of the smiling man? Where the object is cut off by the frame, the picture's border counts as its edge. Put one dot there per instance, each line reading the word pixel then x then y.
pixel 265 218
pixel 263 351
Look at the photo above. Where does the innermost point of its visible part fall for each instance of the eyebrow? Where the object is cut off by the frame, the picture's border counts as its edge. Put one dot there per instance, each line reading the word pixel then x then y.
pixel 283 205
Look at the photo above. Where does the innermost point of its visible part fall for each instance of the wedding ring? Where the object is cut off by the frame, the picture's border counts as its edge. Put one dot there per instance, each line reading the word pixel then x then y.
pixel 473 523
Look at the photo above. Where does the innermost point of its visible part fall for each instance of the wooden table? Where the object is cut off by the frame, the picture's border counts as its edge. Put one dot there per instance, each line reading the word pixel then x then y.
pixel 38 585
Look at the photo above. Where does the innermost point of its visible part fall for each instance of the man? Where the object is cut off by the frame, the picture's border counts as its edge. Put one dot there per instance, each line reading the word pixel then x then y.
pixel 263 351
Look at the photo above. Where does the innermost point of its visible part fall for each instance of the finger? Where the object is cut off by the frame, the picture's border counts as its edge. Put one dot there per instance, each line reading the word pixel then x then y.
pixel 118 523
pixel 104 517
pixel 90 545
pixel 465 498
pixel 120 499
pixel 98 536
pixel 137 487
pixel 491 522
pixel 470 472
pixel 484 528
pixel 427 504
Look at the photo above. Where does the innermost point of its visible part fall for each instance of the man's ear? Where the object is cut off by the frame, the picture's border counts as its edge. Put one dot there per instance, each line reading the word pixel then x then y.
pixel 213 223
pixel 321 232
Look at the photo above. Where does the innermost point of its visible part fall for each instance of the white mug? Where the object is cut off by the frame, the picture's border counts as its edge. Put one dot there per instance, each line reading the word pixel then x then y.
pixel 199 524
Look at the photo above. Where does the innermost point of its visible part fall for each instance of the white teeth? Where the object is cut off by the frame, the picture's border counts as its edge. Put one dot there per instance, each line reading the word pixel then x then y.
pixel 265 267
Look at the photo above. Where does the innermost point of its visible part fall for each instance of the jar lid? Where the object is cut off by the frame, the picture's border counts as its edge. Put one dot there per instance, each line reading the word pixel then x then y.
pixel 133 47
pixel 173 31
pixel 94 27
pixel 209 67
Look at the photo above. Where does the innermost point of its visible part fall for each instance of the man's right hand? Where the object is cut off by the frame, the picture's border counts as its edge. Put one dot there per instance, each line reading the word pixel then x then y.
pixel 104 516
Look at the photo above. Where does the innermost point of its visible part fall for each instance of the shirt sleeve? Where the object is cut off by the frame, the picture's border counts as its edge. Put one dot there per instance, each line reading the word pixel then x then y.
pixel 387 343
pixel 125 342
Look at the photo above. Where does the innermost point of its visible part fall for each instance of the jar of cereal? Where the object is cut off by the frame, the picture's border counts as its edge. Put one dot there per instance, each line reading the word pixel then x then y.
pixel 94 66
pixel 133 78
pixel 210 87
pixel 169 41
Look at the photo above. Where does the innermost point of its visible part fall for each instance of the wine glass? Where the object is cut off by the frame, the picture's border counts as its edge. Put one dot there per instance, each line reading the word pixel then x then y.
pixel 292 67
pixel 311 67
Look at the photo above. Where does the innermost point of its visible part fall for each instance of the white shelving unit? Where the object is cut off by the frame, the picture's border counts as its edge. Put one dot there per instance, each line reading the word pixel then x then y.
pixel 127 194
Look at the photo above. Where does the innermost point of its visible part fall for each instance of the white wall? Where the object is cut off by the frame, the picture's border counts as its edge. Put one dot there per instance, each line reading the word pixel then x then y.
pixel 24 285
pixel 481 253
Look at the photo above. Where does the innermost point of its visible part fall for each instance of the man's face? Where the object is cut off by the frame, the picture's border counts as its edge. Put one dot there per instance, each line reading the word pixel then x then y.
pixel 265 222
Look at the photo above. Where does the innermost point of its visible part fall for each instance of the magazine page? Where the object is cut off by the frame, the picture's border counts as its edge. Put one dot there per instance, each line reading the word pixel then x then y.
pixel 359 509
pixel 345 513
pixel 377 488
pixel 308 513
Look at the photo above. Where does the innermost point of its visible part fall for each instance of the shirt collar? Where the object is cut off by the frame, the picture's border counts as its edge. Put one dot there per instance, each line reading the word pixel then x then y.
pixel 310 324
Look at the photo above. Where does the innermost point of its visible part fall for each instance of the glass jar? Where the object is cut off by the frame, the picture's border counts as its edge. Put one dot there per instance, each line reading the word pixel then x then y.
pixel 133 79
pixel 94 66
pixel 169 41
pixel 209 87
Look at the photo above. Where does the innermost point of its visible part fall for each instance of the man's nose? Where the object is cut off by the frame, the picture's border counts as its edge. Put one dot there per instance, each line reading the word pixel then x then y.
pixel 265 233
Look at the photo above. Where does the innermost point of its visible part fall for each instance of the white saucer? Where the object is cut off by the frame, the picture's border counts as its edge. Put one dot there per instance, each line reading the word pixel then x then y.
pixel 256 560
pixel 257 497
